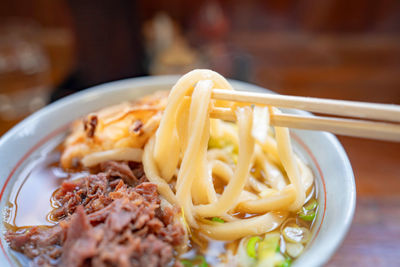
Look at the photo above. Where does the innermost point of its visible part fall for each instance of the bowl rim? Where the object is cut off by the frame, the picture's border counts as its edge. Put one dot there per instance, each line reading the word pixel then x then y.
pixel 98 90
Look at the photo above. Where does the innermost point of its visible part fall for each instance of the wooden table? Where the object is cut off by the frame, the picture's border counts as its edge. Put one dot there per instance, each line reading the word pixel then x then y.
pixel 365 68
pixel 374 237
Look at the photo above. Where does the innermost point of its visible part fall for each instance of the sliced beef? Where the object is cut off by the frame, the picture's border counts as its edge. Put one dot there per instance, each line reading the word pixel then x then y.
pixel 91 192
pixel 81 241
pixel 132 173
pixel 41 243
pixel 105 222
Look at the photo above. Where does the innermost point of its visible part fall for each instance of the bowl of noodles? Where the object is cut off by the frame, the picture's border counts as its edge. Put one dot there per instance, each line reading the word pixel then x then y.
pixel 140 172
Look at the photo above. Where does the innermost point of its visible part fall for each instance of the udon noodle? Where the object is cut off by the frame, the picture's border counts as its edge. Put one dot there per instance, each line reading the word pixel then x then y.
pixel 179 154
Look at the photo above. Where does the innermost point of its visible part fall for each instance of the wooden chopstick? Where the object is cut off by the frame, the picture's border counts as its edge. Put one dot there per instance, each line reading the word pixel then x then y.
pixel 385 112
pixel 349 127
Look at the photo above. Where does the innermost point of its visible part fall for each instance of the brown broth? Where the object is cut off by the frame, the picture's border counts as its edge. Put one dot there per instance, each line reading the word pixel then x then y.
pixel 31 202
pixel 214 251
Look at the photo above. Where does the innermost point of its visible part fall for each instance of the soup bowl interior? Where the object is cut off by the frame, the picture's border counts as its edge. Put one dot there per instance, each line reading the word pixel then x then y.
pixel 38 134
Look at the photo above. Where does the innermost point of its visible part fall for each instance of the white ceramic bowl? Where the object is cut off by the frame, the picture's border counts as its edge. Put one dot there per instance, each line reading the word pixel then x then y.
pixel 44 129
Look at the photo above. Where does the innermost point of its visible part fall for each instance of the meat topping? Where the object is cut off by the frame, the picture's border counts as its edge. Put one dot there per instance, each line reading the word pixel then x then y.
pixel 104 221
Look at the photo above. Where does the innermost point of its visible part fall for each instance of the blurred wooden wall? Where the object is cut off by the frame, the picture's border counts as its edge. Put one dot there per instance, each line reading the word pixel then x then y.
pixel 57 32
pixel 334 16
pixel 317 48
pixel 293 44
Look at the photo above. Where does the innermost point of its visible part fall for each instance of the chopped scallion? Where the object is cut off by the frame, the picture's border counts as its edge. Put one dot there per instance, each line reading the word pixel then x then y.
pixel 311 205
pixel 225 143
pixel 294 249
pixel 296 234
pixel 198 261
pixel 216 219
pixel 251 246
pixel 307 215
pixel 187 263
pixel 203 261
pixel 286 263
pixel 267 247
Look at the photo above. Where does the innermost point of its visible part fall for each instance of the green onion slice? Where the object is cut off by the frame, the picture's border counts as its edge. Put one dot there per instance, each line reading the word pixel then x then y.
pixel 267 247
pixel 251 246
pixel 187 263
pixel 198 261
pixel 286 263
pixel 311 205
pixel 307 215
pixel 203 261
pixel 216 219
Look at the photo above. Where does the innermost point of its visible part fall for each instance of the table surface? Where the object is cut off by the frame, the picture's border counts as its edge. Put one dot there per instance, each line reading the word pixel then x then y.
pixel 365 68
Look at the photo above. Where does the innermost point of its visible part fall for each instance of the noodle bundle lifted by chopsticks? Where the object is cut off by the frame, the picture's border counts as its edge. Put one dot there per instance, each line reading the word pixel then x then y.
pixel 212 168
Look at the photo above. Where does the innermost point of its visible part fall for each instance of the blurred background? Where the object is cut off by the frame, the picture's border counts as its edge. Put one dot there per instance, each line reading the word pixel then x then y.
pixel 333 48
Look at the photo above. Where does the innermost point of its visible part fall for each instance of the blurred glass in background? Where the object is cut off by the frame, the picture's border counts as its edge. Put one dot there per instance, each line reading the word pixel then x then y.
pixel 333 48
pixel 24 71
pixel 36 54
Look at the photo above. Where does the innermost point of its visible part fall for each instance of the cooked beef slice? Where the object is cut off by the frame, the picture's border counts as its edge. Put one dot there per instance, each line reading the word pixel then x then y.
pixel 132 173
pixel 104 222
pixel 92 191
